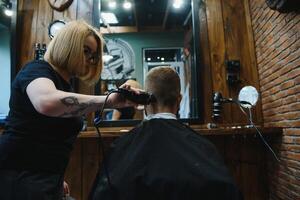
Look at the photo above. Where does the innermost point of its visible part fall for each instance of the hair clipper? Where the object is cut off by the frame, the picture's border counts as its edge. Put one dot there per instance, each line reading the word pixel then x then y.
pixel 142 98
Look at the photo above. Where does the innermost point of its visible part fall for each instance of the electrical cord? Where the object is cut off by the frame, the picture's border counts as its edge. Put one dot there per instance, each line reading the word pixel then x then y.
pixel 249 118
pixel 263 139
pixel 97 122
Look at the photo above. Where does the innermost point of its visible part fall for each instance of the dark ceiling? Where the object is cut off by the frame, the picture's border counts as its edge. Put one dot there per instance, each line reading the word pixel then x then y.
pixel 151 14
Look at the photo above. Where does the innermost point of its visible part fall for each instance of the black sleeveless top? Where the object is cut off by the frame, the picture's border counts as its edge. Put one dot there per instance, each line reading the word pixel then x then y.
pixel 33 141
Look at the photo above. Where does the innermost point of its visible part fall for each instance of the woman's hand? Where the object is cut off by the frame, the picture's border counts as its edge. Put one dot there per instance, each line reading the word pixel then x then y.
pixel 66 189
pixel 116 100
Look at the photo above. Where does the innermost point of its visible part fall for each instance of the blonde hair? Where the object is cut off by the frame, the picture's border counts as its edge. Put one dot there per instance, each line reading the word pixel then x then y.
pixel 164 84
pixel 66 52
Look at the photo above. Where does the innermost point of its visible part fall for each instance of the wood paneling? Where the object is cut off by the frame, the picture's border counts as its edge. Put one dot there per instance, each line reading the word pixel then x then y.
pixel 229 38
pixel 217 51
pixel 90 165
pixel 73 175
pixel 84 164
pixel 206 73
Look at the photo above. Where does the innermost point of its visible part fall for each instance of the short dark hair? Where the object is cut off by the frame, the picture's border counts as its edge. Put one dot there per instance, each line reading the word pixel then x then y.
pixel 164 84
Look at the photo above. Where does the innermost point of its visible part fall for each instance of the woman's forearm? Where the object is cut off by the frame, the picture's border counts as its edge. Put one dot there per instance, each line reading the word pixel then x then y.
pixel 49 101
pixel 72 104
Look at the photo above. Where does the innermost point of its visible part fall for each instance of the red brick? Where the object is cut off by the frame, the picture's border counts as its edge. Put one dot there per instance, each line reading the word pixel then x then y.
pixel 289 100
pixel 287 84
pixel 277 45
pixel 292 148
pixel 294 74
pixel 292 131
pixel 297 80
pixel 293 107
pixel 293 156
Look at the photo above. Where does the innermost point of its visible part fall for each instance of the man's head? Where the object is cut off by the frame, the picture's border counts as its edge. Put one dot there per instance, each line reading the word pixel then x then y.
pixel 164 84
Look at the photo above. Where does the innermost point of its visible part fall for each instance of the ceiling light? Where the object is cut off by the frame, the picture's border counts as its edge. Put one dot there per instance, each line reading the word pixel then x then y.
pixel 8 12
pixel 108 18
pixel 106 58
pixel 177 4
pixel 6 6
pixel 127 5
pixel 112 4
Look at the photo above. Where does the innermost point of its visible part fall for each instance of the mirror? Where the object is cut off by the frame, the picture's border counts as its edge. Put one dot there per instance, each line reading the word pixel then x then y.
pixel 141 35
pixel 8 17
pixel 248 94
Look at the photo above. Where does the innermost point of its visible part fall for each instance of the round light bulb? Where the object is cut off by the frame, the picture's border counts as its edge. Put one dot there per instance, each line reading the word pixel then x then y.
pixel 8 12
pixel 112 4
pixel 127 5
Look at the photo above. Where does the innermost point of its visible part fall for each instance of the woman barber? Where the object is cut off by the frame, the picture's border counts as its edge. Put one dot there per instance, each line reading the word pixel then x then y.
pixel 45 115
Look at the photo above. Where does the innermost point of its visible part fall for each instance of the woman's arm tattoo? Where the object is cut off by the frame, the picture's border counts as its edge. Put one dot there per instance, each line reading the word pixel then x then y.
pixel 77 108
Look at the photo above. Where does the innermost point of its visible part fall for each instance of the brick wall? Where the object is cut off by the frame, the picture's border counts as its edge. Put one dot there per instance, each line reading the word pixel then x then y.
pixel 277 42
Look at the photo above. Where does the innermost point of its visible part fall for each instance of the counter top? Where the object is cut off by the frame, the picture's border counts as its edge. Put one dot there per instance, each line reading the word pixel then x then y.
pixel 201 129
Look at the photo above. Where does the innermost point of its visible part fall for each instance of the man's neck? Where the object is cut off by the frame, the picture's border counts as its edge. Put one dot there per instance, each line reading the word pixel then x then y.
pixel 161 116
pixel 151 110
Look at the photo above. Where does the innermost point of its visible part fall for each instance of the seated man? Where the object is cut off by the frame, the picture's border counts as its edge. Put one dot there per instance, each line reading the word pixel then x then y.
pixel 161 158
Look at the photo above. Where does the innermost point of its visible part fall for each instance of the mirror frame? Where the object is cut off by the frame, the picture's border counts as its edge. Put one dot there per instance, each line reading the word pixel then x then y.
pixel 14 39
pixel 196 102
pixel 13 44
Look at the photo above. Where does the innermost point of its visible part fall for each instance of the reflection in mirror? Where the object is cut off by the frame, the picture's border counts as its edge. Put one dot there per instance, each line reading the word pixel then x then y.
pixel 144 35
pixel 7 53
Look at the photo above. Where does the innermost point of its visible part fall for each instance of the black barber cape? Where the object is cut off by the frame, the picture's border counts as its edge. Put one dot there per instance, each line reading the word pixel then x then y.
pixel 162 159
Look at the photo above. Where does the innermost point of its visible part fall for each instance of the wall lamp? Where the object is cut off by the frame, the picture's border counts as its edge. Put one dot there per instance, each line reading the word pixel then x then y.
pixel 6 7
pixel 248 96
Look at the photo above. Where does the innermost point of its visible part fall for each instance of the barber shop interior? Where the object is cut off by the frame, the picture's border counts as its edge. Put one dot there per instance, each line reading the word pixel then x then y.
pixel 149 99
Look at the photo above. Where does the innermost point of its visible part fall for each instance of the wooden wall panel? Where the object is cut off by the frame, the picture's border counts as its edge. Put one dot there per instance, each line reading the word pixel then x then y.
pixel 245 157
pixel 217 51
pixel 71 12
pixel 238 47
pixel 73 175
pixel 44 16
pixel 206 75
pixel 90 164
pixel 229 38
pixel 28 20
pixel 232 21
